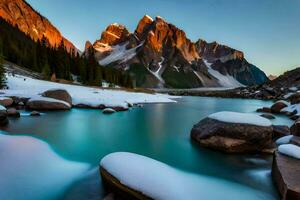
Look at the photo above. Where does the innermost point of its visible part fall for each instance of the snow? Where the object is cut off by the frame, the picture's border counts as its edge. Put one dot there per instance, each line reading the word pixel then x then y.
pixel 149 17
pixel 290 150
pixel 176 68
pixel 242 118
pixel 2 108
pixel 40 98
pixel 225 81
pixel 160 181
pixel 284 102
pixel 292 108
pixel 158 72
pixel 119 53
pixel 198 76
pixel 284 140
pixel 293 89
pixel 30 169
pixel 22 86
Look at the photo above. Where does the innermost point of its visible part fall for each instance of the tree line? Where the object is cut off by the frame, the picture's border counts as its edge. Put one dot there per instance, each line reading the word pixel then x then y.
pixel 39 56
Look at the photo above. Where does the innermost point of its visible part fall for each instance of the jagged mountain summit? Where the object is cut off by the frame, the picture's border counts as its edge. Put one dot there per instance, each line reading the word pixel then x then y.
pixel 19 13
pixel 159 54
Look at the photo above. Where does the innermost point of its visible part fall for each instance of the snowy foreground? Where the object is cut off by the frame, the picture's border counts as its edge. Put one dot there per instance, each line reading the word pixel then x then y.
pixel 30 163
pixel 160 181
pixel 22 86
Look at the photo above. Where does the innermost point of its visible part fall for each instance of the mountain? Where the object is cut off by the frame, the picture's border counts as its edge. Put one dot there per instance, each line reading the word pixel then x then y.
pixel 158 54
pixel 272 77
pixel 19 13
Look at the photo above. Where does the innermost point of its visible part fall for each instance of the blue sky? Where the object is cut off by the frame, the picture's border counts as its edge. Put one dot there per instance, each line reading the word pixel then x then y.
pixel 268 31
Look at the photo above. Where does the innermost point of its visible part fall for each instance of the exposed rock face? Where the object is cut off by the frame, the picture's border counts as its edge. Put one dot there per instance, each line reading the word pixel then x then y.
pixel 232 137
pixel 59 94
pixel 158 54
pixel 286 176
pixel 21 14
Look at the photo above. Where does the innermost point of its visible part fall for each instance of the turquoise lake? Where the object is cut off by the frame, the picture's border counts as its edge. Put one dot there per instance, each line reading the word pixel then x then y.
pixel 159 131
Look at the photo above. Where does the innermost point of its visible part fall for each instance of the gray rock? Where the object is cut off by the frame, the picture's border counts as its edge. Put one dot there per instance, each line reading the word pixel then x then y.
pixel 59 94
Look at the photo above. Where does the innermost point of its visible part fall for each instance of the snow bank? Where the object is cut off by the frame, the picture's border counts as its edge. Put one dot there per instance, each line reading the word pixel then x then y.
pixel 224 80
pixel 242 118
pixel 160 181
pixel 31 170
pixel 284 140
pixel 290 150
pixel 31 88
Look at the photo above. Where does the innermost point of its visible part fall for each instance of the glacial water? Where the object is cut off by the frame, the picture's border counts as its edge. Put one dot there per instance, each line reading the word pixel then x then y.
pixel 159 131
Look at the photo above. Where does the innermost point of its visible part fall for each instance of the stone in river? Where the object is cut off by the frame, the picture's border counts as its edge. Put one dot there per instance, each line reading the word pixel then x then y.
pixel 234 132
pixel 12 112
pixel 268 116
pixel 108 111
pixel 278 106
pixel 35 113
pixel 59 94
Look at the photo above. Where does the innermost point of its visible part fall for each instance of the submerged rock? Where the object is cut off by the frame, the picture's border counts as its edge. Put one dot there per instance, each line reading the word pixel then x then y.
pixel 35 113
pixel 234 132
pixel 264 109
pixel 59 94
pixel 108 111
pixel 12 112
pixel 268 116
pixel 286 176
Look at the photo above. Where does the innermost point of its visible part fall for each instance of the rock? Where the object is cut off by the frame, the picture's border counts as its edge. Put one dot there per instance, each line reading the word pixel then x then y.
pixel 6 101
pixel 12 112
pixel 280 131
pixel 295 98
pixel 295 140
pixel 35 113
pixel 294 117
pixel 232 137
pixel 264 109
pixel 295 128
pixel 59 94
pixel 108 111
pixel 119 108
pixel 278 106
pixel 268 116
pixel 3 118
pixel 47 104
pixel 286 176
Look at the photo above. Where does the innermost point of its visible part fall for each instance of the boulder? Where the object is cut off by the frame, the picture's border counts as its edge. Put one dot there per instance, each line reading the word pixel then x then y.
pixel 6 101
pixel 278 106
pixel 295 128
pixel 12 112
pixel 286 176
pixel 108 111
pixel 268 116
pixel 294 98
pixel 44 103
pixel 35 113
pixel 3 118
pixel 246 133
pixel 280 131
pixel 59 94
pixel 264 109
pixel 295 140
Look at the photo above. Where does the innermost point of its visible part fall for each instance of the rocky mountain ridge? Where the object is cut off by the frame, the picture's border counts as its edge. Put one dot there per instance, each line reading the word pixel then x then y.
pixel 19 13
pixel 159 54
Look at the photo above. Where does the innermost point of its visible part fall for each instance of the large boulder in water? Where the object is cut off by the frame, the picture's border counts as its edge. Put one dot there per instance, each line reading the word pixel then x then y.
pixel 286 176
pixel 278 106
pixel 59 94
pixel 234 132
pixel 44 103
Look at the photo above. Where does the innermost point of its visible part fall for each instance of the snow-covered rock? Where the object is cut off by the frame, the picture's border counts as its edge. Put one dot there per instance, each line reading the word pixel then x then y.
pixel 284 140
pixel 290 150
pixel 108 111
pixel 30 163
pixel 147 177
pixel 45 103
pixel 94 97
pixel 243 118
pixel 6 101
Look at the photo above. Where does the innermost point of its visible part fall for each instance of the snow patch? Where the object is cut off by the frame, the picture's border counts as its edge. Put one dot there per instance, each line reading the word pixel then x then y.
pixel 290 150
pixel 22 86
pixel 160 181
pixel 284 140
pixel 30 163
pixel 198 76
pixel 241 118
pixel 120 53
pixel 225 81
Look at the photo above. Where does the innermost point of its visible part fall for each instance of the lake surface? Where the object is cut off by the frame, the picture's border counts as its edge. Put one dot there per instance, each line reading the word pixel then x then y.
pixel 159 131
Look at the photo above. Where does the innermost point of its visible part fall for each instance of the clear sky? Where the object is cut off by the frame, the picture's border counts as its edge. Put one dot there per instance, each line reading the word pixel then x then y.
pixel 267 31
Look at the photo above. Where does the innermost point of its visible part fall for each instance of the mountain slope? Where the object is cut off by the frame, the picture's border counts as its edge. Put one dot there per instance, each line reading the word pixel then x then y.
pixel 162 54
pixel 19 13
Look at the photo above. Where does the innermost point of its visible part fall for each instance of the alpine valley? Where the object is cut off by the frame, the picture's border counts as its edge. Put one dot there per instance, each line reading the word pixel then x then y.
pixel 158 54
